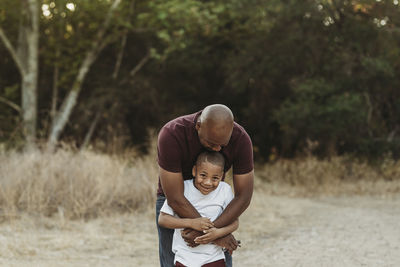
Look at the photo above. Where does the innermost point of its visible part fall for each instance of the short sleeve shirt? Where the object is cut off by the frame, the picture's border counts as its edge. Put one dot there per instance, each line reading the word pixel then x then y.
pixel 179 145
pixel 210 206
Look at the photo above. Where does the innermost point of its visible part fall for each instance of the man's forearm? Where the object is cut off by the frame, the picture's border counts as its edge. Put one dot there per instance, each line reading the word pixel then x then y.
pixel 243 185
pixel 172 184
pixel 183 207
pixel 237 206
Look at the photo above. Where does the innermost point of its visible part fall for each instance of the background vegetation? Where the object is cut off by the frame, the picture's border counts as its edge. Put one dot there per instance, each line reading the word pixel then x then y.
pixel 87 185
pixel 315 75
pixel 314 82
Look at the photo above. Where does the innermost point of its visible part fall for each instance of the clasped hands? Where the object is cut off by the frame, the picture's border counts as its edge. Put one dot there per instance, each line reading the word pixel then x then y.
pixel 203 231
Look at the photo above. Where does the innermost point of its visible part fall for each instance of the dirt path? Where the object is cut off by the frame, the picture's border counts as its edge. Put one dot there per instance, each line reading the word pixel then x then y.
pixel 275 231
pixel 356 231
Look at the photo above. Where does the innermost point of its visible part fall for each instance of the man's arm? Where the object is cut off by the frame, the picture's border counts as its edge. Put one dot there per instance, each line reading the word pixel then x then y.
pixel 243 187
pixel 172 222
pixel 172 185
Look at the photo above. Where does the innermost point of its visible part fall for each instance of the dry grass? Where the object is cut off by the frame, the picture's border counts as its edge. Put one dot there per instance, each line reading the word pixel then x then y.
pixel 88 184
pixel 74 185
pixel 339 175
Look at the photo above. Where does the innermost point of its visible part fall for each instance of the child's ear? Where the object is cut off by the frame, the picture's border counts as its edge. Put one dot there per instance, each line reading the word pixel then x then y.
pixel 194 171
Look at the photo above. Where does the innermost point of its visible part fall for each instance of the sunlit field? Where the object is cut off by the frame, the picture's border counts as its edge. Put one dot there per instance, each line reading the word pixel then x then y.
pixel 334 177
pixel 75 184
pixel 89 184
pixel 90 209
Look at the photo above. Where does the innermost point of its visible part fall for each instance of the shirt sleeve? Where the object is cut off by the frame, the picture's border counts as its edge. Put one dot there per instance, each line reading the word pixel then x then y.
pixel 243 160
pixel 168 151
pixel 167 209
pixel 228 195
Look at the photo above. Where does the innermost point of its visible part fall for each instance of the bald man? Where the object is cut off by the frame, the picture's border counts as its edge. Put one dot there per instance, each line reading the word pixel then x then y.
pixel 180 141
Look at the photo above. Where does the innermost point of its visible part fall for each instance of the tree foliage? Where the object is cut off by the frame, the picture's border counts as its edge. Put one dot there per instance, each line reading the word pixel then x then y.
pixel 293 72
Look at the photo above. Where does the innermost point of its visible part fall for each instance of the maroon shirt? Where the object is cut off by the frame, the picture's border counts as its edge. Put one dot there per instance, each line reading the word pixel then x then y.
pixel 179 145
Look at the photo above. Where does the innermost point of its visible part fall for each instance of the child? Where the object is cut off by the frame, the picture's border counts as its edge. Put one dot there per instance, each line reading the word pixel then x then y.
pixel 210 197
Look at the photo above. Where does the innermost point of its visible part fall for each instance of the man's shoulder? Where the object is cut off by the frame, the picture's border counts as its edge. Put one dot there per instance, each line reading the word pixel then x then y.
pixel 239 131
pixel 181 122
pixel 239 137
pixel 179 129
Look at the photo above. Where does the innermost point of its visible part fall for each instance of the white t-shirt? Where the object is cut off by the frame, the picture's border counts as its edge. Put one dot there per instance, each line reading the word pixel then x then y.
pixel 210 206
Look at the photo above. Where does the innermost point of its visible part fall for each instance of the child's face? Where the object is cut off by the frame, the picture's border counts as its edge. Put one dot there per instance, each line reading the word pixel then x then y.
pixel 207 177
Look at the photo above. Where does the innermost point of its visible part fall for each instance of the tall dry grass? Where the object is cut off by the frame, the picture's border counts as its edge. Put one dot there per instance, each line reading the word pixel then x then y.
pixel 75 184
pixel 336 176
pixel 87 184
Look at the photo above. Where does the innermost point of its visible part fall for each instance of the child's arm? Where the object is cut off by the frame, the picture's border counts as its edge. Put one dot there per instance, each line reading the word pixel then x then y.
pixel 215 233
pixel 199 224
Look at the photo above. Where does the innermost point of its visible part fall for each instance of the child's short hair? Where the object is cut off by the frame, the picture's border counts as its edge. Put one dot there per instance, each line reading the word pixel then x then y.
pixel 213 157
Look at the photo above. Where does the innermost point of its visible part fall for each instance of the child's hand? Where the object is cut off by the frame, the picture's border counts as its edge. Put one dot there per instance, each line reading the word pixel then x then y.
pixel 201 224
pixel 209 236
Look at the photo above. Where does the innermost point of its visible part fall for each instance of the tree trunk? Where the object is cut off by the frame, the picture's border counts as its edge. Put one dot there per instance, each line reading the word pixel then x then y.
pixel 89 134
pixel 54 96
pixel 60 120
pixel 30 79
pixel 27 60
pixel 29 111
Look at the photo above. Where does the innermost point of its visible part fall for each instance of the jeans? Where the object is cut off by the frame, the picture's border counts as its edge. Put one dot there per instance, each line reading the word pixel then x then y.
pixel 228 259
pixel 165 241
pixel 164 238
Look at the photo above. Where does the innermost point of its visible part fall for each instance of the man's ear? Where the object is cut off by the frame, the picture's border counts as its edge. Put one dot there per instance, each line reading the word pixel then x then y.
pixel 198 123
pixel 194 171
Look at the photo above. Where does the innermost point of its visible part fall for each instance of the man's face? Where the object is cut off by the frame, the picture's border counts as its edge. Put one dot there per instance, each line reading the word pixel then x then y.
pixel 213 138
pixel 207 177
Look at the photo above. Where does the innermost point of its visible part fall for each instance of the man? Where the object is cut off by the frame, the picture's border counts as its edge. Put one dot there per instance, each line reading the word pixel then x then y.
pixel 180 141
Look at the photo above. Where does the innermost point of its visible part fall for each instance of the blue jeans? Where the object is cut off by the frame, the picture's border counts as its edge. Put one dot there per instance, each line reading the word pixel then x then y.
pixel 164 238
pixel 165 241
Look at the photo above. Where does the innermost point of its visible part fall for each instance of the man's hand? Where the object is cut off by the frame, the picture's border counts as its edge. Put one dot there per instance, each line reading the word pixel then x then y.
pixel 201 224
pixel 228 242
pixel 189 235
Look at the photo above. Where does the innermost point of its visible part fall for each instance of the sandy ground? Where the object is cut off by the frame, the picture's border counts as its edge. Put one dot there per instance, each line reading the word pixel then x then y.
pixel 275 231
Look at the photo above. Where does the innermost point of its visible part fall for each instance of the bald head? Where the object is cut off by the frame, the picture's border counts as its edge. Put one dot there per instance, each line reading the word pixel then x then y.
pixel 215 126
pixel 217 114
